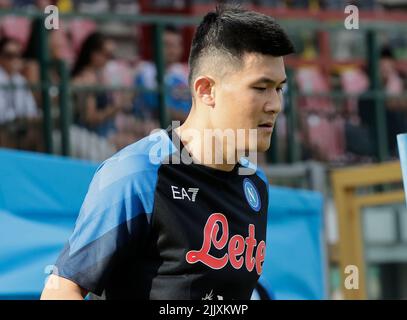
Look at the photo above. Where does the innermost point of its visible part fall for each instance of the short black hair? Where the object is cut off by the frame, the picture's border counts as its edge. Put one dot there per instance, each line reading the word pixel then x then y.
pixel 234 31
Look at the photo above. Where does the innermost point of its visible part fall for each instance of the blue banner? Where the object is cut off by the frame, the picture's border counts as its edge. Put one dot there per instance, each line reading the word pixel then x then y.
pixel 295 255
pixel 40 197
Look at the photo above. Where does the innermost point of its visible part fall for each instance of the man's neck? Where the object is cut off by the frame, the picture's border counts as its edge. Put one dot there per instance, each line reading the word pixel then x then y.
pixel 203 152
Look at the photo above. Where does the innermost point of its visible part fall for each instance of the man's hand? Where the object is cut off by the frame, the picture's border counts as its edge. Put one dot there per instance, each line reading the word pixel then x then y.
pixel 58 288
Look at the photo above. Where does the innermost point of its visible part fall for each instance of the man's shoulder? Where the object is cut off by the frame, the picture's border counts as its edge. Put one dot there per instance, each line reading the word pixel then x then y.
pixel 137 160
pixel 254 169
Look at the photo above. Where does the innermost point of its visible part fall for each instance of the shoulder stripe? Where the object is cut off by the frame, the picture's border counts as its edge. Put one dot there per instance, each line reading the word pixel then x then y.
pixel 256 169
pixel 122 188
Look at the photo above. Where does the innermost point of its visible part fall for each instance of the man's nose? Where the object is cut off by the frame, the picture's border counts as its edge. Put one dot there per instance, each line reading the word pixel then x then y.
pixel 274 102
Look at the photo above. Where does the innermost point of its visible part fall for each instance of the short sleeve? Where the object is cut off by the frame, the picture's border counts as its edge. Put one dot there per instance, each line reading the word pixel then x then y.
pixel 115 212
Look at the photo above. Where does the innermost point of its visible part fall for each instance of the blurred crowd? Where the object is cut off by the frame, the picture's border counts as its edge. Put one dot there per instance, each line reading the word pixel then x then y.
pixel 343 129
pixel 104 121
pixel 133 6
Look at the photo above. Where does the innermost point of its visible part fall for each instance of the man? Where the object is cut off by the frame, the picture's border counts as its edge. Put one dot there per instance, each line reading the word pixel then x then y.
pixel 17 105
pixel 177 95
pixel 156 227
pixel 362 139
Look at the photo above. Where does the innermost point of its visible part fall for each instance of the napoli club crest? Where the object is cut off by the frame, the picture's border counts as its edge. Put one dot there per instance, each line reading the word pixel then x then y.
pixel 252 195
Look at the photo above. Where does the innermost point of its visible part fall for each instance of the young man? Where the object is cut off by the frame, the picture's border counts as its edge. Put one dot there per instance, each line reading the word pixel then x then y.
pixel 155 226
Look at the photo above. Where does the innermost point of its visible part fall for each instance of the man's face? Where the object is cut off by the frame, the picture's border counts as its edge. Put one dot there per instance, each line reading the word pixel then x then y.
pixel 10 57
pixel 250 98
pixel 172 47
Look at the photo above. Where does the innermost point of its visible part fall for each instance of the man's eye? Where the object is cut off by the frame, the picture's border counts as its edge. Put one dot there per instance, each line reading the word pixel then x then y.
pixel 280 89
pixel 260 88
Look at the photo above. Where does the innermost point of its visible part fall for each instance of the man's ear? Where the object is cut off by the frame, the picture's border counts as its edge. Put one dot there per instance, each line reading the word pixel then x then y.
pixel 204 87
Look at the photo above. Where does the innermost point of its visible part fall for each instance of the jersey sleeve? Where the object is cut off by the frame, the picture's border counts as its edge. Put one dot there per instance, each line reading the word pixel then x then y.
pixel 116 210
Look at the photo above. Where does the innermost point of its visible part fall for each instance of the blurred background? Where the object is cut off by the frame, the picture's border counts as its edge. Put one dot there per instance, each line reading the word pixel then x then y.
pixel 115 70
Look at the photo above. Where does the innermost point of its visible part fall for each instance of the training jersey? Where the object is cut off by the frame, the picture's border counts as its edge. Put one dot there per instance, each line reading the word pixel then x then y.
pixel 154 227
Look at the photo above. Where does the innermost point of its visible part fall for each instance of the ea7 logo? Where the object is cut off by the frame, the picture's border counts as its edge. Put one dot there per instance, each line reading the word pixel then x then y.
pixel 181 193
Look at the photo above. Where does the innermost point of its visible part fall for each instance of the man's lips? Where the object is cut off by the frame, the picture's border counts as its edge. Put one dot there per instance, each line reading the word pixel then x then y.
pixel 266 125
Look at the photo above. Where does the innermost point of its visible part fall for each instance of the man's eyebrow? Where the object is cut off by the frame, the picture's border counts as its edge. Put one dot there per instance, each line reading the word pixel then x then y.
pixel 268 80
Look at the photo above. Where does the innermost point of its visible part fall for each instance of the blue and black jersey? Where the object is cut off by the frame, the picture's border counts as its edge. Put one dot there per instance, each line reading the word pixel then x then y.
pixel 153 227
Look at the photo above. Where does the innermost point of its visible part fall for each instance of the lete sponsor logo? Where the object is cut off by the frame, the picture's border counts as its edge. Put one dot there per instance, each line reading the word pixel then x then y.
pixel 236 247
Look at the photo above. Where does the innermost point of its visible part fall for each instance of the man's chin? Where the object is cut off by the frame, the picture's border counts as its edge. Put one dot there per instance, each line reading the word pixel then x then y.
pixel 263 146
pixel 263 149
pixel 260 147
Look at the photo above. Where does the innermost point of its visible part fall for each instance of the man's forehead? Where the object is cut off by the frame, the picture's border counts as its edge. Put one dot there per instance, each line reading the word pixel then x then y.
pixel 264 66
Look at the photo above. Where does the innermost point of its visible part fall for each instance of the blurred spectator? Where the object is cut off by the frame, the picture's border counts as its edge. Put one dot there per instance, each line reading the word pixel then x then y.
pixel 18 111
pixel 354 81
pixel 322 128
pixel 177 95
pixel 312 80
pixel 59 49
pixel 129 129
pixel 95 110
pixel 396 108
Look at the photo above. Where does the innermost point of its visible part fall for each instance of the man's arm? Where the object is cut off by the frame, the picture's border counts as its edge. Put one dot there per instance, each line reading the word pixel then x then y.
pixel 112 216
pixel 58 288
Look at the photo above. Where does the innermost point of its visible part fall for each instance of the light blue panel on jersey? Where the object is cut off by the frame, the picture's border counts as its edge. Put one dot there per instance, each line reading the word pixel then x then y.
pixel 122 188
pixel 40 197
pixel 294 265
